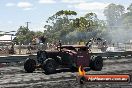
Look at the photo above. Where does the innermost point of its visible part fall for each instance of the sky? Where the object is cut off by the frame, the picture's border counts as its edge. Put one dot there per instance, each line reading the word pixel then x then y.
pixel 15 13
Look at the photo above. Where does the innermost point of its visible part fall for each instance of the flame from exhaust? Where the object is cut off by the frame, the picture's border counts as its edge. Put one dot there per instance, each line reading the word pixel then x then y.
pixel 81 71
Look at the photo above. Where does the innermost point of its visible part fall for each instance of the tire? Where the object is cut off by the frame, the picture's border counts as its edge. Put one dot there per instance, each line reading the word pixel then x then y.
pixel 29 65
pixel 49 66
pixel 96 63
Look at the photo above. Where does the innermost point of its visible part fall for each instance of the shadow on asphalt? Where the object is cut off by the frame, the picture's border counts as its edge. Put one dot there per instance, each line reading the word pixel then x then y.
pixel 67 70
pixel 62 70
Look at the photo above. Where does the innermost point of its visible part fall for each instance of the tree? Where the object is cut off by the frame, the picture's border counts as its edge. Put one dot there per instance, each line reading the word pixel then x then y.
pixel 113 14
pixel 127 22
pixel 127 18
pixel 22 30
pixel 93 21
pixel 63 26
pixel 87 23
pixel 130 8
pixel 38 33
pixel 121 20
pixel 24 35
pixel 59 25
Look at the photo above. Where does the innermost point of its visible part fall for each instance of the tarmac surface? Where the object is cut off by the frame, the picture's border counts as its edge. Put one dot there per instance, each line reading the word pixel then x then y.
pixel 14 76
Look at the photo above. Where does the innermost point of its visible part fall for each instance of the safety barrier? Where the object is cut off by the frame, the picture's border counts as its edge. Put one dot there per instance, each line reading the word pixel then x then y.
pixel 114 54
pixel 16 58
pixel 106 55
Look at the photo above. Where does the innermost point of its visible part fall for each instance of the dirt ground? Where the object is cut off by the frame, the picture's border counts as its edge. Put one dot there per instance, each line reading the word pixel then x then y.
pixel 14 76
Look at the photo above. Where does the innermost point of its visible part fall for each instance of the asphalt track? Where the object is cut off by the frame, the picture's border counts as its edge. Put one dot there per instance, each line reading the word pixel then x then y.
pixel 14 76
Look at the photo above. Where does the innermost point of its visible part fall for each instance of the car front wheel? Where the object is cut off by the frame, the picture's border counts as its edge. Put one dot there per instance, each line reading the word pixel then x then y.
pixel 96 63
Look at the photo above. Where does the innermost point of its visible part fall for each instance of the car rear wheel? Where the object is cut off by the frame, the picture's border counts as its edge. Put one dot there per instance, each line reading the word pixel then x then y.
pixel 29 65
pixel 96 63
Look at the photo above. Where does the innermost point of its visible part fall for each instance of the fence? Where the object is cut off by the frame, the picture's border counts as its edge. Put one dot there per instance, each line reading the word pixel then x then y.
pixel 32 49
pixel 28 49
pixel 107 55
pixel 23 49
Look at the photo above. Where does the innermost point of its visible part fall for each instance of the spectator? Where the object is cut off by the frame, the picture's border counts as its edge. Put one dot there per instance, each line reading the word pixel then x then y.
pixel 33 41
pixel 37 40
pixel 43 39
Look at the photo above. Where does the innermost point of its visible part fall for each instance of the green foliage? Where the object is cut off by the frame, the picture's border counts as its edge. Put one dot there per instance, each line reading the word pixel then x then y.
pixel 25 36
pixel 113 14
pixel 87 23
pixel 59 25
pixel 116 16
pixel 130 8
pixel 65 26
pixel 127 18
pixel 62 25
pixel 119 23
pixel 22 35
pixel 127 22
pixel 66 12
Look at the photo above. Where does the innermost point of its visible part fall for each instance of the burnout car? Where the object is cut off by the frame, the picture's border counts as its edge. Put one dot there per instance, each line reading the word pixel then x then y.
pixel 65 56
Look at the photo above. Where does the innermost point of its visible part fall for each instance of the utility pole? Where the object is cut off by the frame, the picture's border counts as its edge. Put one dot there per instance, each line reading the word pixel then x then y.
pixel 27 24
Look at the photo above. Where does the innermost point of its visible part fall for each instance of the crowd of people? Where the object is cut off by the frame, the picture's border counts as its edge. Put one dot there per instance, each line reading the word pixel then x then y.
pixel 36 41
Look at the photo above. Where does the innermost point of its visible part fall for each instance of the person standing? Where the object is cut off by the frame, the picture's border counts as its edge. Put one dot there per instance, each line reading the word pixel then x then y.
pixel 37 40
pixel 33 41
